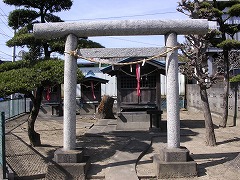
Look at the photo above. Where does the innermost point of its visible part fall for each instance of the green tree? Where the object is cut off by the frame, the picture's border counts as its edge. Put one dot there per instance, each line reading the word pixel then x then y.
pixel 30 78
pixel 222 12
pixel 39 11
pixel 195 66
pixel 22 19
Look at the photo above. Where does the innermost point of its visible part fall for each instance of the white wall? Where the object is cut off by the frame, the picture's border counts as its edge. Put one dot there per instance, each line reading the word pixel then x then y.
pixel 181 82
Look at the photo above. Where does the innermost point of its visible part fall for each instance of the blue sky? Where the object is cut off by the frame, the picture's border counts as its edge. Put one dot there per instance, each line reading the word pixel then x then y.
pixel 87 10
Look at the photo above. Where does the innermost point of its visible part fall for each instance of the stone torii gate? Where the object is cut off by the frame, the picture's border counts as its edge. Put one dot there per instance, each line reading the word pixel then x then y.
pixel 74 30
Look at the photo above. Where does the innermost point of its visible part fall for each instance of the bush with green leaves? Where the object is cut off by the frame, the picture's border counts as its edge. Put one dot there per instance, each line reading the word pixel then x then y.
pixel 25 76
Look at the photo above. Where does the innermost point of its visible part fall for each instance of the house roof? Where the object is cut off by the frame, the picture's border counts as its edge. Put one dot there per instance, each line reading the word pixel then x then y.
pixel 112 71
pixel 90 76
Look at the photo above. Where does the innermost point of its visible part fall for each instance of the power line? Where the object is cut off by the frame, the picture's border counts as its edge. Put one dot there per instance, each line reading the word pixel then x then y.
pixel 3 58
pixel 4 33
pixel 3 15
pixel 117 17
pixel 6 24
pixel 6 53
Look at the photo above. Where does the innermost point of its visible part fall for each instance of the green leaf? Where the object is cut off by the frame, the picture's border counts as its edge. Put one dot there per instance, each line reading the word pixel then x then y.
pixel 52 18
pixel 235 78
pixel 229 44
pixel 22 76
pixel 31 12
pixel 21 40
pixel 21 17
pixel 234 10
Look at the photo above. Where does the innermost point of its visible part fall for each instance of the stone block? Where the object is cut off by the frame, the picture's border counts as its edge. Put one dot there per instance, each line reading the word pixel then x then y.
pixel 67 171
pixel 87 108
pixel 165 170
pixel 70 156
pixel 174 154
pixel 133 121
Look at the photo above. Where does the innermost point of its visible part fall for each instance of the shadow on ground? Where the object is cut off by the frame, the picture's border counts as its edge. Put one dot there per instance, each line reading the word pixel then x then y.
pixel 213 160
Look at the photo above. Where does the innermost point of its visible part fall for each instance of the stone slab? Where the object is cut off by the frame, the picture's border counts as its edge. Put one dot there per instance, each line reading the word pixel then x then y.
pixel 69 156
pixel 87 108
pixel 67 171
pixel 122 172
pixel 132 126
pixel 112 122
pixel 174 154
pixel 95 130
pixel 102 122
pixel 174 169
pixel 123 164
pixel 133 121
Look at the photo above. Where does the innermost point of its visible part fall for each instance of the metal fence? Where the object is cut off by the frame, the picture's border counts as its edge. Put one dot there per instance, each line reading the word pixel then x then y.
pixel 2 146
pixel 182 102
pixel 15 107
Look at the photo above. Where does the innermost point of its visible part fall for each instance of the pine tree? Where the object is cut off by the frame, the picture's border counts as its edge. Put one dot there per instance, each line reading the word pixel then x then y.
pixel 220 12
pixel 22 19
pixel 195 67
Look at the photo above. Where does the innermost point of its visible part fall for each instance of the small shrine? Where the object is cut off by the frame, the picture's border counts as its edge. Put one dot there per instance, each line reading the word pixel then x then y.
pixel 138 93
pixel 52 101
pixel 90 93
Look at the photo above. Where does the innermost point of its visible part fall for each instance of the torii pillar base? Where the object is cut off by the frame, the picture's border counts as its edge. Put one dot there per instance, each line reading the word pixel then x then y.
pixel 70 164
pixel 174 163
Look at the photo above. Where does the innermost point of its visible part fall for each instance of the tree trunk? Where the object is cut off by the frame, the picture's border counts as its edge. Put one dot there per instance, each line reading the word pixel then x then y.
pixel 47 53
pixel 34 137
pixel 105 108
pixel 223 122
pixel 235 88
pixel 210 135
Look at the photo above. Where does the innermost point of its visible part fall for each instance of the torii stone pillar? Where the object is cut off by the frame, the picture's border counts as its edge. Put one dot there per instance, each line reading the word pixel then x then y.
pixel 170 28
pixel 173 119
pixel 70 80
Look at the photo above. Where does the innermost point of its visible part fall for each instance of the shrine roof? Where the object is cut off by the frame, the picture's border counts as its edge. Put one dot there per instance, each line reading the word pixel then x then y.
pixel 112 70
pixel 90 76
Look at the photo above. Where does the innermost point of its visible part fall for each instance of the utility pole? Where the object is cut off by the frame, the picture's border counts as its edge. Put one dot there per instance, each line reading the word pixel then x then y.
pixel 14 49
pixel 12 96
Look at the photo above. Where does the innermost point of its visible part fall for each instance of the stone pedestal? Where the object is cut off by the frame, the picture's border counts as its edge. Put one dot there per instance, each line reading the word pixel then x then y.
pixel 139 120
pixel 69 156
pixel 67 171
pixel 174 163
pixel 68 165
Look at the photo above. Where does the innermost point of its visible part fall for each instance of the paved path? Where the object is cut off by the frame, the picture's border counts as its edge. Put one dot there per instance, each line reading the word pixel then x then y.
pixel 26 162
pixel 122 164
